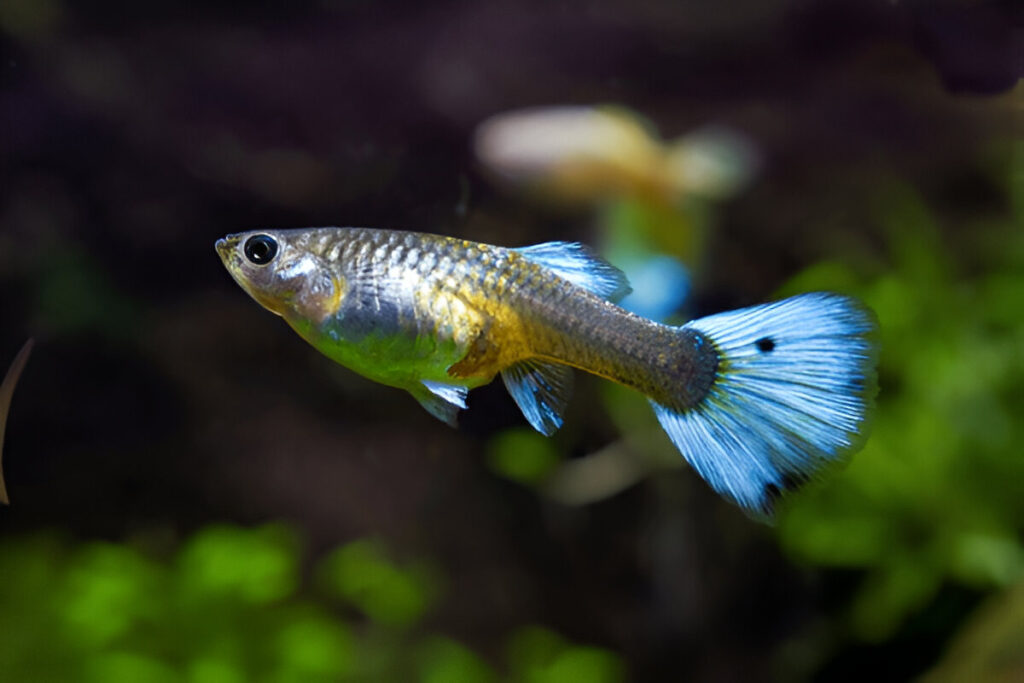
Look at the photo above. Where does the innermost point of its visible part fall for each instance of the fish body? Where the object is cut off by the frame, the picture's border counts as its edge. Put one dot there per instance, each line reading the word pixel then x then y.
pixel 755 399
pixel 586 154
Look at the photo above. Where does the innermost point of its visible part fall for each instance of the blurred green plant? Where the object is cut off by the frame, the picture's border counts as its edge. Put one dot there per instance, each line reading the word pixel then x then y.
pixel 361 574
pixel 229 606
pixel 990 647
pixel 937 493
pixel 538 655
pixel 74 295
pixel 521 454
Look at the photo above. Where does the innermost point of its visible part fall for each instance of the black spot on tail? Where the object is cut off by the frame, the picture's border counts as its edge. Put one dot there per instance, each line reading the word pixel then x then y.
pixel 792 481
pixel 765 344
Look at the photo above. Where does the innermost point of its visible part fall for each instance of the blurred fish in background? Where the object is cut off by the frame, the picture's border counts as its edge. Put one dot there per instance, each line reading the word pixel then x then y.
pixel 653 203
pixel 650 194
pixel 588 154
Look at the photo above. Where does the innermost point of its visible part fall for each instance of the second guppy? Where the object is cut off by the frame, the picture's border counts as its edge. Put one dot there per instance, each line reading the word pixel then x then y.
pixel 756 400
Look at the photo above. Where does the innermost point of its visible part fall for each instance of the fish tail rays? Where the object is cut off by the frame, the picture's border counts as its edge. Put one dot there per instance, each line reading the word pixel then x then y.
pixel 792 390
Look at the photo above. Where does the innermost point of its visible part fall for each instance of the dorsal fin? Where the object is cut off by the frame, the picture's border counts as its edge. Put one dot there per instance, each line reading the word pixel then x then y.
pixel 443 401
pixel 541 390
pixel 578 264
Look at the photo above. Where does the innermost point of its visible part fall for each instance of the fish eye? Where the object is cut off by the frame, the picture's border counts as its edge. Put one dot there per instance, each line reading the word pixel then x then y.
pixel 260 249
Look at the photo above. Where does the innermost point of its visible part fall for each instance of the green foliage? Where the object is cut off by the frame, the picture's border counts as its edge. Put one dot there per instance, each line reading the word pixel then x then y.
pixel 361 574
pixel 522 455
pixel 541 656
pixel 229 607
pixel 107 590
pixel 991 645
pixel 74 295
pixel 209 565
pixel 633 229
pixel 938 492
pixel 442 660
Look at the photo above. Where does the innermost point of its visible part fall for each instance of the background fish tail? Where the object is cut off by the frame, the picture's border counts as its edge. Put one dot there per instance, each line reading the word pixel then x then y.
pixel 792 387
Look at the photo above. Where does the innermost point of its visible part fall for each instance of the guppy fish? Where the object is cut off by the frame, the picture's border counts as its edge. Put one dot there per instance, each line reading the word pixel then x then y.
pixel 756 400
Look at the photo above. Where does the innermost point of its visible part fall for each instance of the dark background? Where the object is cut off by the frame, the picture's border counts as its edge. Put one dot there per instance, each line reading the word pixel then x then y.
pixel 160 399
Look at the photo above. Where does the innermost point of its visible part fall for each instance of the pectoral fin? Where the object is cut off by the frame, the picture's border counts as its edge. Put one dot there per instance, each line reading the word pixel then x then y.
pixel 443 401
pixel 541 390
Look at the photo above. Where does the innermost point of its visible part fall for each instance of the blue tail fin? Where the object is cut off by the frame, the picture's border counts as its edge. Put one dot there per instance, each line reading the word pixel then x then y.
pixel 794 382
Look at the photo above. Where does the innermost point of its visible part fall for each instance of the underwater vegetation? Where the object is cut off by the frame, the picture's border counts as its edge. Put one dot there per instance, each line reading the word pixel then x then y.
pixel 937 495
pixel 928 503
pixel 933 501
pixel 233 604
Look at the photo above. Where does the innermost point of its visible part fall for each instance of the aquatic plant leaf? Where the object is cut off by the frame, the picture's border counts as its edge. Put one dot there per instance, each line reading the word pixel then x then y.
pixel 443 659
pixel 6 393
pixel 522 455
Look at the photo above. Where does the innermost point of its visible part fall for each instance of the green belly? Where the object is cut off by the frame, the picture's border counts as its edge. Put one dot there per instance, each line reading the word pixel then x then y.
pixel 400 360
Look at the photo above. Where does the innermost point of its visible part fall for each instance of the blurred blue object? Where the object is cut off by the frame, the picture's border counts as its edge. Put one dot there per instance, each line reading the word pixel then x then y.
pixel 660 286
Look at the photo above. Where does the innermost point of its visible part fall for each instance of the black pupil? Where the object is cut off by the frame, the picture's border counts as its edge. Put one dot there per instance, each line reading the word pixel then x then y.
pixel 260 249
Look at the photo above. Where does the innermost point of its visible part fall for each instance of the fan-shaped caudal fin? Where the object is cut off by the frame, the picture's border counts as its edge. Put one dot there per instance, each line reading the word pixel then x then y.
pixel 794 383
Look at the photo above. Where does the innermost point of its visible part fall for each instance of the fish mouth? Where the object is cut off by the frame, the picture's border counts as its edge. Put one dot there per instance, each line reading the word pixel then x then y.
pixel 225 247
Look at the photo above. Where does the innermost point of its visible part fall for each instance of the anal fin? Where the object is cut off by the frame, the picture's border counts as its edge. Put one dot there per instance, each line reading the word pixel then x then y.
pixel 443 401
pixel 541 390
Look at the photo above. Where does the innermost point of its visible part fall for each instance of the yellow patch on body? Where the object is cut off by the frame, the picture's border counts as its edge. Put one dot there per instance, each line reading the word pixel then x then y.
pixel 491 331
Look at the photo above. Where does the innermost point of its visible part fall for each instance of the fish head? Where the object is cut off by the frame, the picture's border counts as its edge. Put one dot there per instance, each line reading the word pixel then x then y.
pixel 282 273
